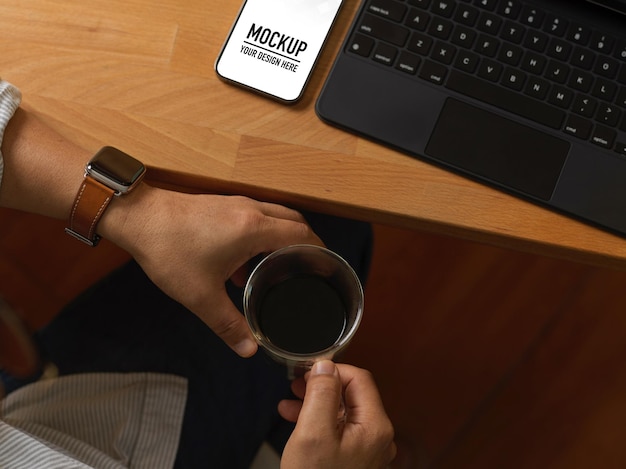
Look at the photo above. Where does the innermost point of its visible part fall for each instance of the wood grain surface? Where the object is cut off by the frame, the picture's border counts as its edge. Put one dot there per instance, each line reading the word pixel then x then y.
pixel 139 75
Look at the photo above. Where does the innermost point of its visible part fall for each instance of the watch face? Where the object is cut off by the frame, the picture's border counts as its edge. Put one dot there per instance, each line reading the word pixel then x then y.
pixel 115 169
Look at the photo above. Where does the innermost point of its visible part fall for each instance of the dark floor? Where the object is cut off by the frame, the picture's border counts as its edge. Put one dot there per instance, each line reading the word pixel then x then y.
pixel 486 358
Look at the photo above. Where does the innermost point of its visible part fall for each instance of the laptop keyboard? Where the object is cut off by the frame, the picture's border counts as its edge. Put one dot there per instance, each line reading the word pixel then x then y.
pixel 507 53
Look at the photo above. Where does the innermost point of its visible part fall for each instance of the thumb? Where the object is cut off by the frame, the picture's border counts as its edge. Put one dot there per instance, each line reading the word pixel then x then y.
pixel 223 317
pixel 322 399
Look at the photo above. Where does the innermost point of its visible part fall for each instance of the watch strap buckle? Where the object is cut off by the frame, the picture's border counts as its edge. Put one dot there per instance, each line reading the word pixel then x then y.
pixel 91 201
pixel 90 242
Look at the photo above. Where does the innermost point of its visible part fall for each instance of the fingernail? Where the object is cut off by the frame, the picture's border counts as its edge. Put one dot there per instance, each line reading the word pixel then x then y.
pixel 245 348
pixel 324 367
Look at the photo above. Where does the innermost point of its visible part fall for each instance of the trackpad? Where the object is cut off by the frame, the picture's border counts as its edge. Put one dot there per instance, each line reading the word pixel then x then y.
pixel 498 149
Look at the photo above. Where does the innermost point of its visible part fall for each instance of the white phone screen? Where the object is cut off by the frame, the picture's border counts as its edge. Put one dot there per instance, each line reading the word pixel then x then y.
pixel 274 45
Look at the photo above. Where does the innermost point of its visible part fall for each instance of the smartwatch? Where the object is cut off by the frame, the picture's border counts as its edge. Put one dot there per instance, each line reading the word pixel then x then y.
pixel 110 173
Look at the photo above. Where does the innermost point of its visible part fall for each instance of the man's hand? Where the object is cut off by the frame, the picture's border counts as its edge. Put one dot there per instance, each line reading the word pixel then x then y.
pixel 323 441
pixel 190 245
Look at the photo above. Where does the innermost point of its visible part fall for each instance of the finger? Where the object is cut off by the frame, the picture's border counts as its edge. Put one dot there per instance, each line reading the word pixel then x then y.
pixel 277 233
pixel 221 315
pixel 361 395
pixel 298 387
pixel 280 211
pixel 365 409
pixel 322 399
pixel 289 409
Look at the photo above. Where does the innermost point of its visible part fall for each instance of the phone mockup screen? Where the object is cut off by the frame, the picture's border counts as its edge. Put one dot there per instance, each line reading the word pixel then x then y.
pixel 274 44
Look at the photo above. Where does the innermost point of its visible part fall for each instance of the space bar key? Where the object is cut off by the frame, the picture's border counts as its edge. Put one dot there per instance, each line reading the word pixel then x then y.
pixel 505 99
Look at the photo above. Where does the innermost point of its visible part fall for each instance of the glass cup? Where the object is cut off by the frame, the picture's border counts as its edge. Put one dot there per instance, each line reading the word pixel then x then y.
pixel 303 303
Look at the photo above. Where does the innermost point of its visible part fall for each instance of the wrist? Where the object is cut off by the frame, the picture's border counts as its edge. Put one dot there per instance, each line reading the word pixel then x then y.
pixel 126 219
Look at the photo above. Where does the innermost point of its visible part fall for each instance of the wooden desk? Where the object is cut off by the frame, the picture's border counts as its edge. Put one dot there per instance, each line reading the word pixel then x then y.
pixel 138 74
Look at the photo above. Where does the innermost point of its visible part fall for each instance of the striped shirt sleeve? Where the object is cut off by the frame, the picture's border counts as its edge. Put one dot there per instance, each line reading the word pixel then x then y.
pixel 10 98
pixel 97 420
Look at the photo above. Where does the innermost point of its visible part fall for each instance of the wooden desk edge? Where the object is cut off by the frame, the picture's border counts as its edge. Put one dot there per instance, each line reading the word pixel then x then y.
pixel 200 184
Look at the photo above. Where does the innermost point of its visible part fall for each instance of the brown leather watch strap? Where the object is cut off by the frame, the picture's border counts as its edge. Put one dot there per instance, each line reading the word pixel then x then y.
pixel 89 205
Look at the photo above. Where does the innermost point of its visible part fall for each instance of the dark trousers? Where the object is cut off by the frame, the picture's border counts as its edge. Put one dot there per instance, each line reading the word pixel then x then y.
pixel 125 323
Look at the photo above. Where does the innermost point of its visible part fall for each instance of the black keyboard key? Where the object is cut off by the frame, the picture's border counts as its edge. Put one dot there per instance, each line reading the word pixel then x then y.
pixel 385 54
pixel 560 96
pixel 584 105
pixel 606 66
pixel 463 36
pixel 513 78
pixel 487 45
pixel 536 40
pixel 559 49
pixel 510 54
pixel 440 28
pixel 466 15
pixel 443 8
pixel 361 45
pixel 433 72
pixel 603 136
pixel 578 126
pixel 443 52
pixel 555 25
pixel 467 61
pixel 602 42
pixel 534 63
pixel 489 23
pixel 580 80
pixel 604 89
pixel 490 70
pixel 510 8
pixel 486 4
pixel 513 32
pixel 417 19
pixel 383 29
pixel 608 114
pixel 506 99
pixel 583 58
pixel 420 43
pixel 408 63
pixel 620 147
pixel 557 71
pixel 389 9
pixel 420 3
pixel 579 34
pixel 532 16
pixel 537 88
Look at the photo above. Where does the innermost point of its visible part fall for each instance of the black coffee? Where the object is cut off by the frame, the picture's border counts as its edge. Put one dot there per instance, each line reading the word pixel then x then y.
pixel 302 314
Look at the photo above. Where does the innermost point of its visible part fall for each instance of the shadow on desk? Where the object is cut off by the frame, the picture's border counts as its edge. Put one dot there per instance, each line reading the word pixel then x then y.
pixel 486 358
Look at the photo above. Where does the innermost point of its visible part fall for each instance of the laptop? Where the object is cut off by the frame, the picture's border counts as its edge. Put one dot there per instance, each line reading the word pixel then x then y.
pixel 526 96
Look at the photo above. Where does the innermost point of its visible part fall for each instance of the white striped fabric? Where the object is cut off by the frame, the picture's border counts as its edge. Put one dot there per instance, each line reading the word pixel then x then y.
pixel 10 98
pixel 98 420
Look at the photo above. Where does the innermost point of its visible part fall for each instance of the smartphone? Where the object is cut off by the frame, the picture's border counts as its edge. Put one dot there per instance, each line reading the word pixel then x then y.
pixel 274 45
